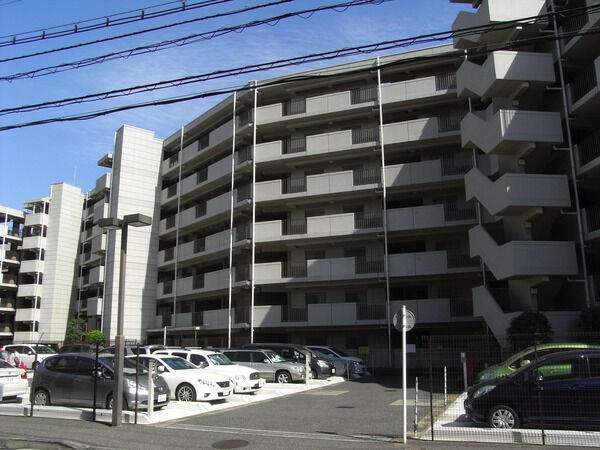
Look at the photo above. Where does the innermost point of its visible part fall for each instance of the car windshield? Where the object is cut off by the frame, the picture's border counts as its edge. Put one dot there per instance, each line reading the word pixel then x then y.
pixel 275 357
pixel 219 359
pixel 42 350
pixel 177 363
pixel 129 365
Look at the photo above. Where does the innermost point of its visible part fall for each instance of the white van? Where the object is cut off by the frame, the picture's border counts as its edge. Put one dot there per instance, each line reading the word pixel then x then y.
pixel 244 379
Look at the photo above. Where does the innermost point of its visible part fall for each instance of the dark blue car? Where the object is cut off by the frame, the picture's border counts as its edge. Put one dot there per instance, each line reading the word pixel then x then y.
pixel 561 390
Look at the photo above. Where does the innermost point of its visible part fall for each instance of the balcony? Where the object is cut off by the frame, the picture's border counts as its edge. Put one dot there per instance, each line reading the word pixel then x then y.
pixel 411 131
pixel 94 306
pixel 99 244
pixel 504 74
pixel 36 219
pixel 6 329
pixel 514 193
pixel 9 256
pixel 584 98
pixel 102 186
pixel 522 259
pixel 8 280
pixel 34 243
pixel 96 275
pixel 587 155
pixel 32 266
pixel 30 290
pixel 578 46
pixel 7 304
pixel 10 233
pixel 510 132
pixel 199 283
pixel 492 11
pixel 27 315
pixel 101 210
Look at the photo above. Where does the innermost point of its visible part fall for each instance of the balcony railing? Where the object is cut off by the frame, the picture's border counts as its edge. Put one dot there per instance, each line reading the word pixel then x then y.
pixel 448 122
pixel 366 176
pixel 172 190
pixel 166 320
pixel 7 302
pixel 289 314
pixel 363 95
pixel 202 175
pixel 241 315
pixel 293 269
pixel 200 210
pixel 242 273
pixel 168 288
pixel 242 233
pixel 198 318
pixel 463 212
pixel 445 81
pixel 584 83
pixel 370 312
pixel 6 327
pixel 293 185
pixel 294 145
pixel 170 222
pixel 173 160
pixel 365 135
pixel 593 218
pixel 589 148
pixel 461 307
pixel 461 260
pixel 198 281
pixel 293 227
pixel 244 118
pixel 294 106
pixel 169 253
pixel 244 154
pixel 371 220
pixel 449 166
pixel 364 265
pixel 243 193
pixel 575 23
pixel 199 245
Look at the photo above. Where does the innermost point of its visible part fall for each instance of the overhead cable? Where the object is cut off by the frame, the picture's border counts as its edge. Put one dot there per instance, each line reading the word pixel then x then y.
pixel 173 100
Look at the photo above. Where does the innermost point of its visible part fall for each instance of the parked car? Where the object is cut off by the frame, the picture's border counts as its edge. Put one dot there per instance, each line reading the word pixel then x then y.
pixel 68 379
pixel 186 381
pixel 344 362
pixel 319 367
pixel 560 389
pixel 243 379
pixel 27 353
pixel 79 348
pixel 13 381
pixel 271 365
pixel 525 357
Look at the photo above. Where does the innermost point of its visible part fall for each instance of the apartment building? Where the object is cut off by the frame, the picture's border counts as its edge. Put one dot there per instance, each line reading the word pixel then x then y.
pixel 130 186
pixel 457 180
pixel 11 223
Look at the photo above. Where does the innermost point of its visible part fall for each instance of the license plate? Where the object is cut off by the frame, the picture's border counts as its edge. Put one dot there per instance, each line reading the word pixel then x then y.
pixel 223 394
pixel 161 398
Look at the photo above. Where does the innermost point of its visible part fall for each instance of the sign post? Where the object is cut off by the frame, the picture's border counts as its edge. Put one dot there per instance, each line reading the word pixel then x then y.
pixel 404 323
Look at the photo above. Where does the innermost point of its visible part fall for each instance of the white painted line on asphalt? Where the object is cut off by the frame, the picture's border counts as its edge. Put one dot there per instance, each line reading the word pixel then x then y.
pixel 273 433
pixel 325 393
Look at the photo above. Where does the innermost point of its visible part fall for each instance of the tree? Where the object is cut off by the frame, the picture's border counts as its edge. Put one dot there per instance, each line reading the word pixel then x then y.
pixel 96 337
pixel 75 331
pixel 529 328
pixel 590 319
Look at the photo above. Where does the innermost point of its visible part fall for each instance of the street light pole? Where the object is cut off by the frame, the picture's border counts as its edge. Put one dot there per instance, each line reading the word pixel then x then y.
pixel 136 220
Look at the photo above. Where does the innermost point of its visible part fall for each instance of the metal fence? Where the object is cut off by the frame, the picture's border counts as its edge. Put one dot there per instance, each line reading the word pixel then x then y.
pixel 525 389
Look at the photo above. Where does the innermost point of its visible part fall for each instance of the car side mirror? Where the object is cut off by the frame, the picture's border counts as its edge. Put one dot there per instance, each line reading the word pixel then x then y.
pixel 266 361
pixel 525 362
pixel 97 373
pixel 160 369
pixel 30 352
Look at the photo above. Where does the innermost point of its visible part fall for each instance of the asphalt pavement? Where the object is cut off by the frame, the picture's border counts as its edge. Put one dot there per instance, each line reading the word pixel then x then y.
pixel 362 414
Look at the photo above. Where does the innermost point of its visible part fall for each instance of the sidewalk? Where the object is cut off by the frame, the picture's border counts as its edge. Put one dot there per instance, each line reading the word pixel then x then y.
pixel 173 411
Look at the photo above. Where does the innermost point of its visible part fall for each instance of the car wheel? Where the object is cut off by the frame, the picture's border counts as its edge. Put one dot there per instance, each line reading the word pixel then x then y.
pixel 185 393
pixel 283 377
pixel 503 417
pixel 42 398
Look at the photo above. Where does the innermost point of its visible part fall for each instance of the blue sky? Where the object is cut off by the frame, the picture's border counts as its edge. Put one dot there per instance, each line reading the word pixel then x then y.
pixel 35 157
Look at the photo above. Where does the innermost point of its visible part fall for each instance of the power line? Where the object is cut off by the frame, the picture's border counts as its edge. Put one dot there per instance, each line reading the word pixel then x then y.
pixel 450 54
pixel 77 27
pixel 315 57
pixel 135 33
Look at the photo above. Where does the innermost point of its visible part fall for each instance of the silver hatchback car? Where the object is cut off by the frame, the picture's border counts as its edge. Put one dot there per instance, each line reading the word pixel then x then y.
pixel 271 365
pixel 68 379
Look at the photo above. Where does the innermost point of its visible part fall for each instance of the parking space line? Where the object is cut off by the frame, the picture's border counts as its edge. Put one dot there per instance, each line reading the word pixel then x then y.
pixel 325 393
pixel 274 433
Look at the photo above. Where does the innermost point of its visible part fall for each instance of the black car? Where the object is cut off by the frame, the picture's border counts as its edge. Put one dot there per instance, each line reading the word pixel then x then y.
pixel 561 390
pixel 319 367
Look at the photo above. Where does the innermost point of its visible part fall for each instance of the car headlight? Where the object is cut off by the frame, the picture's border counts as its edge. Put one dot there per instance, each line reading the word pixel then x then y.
pixel 486 376
pixel 131 386
pixel 298 369
pixel 484 390
pixel 207 382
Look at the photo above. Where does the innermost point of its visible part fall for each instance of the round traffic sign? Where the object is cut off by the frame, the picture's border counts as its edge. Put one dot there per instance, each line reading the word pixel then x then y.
pixel 410 320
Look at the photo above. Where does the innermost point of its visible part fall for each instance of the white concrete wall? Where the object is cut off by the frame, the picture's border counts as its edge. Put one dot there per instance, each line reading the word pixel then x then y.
pixel 135 189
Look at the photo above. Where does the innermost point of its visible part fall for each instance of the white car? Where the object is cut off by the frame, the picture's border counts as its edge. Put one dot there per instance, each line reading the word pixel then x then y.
pixel 244 379
pixel 13 381
pixel 27 352
pixel 186 381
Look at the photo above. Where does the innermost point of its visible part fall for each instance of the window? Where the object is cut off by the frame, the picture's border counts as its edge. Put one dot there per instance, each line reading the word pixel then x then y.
pixel 560 369
pixel 198 359
pixel 244 356
pixel 85 367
